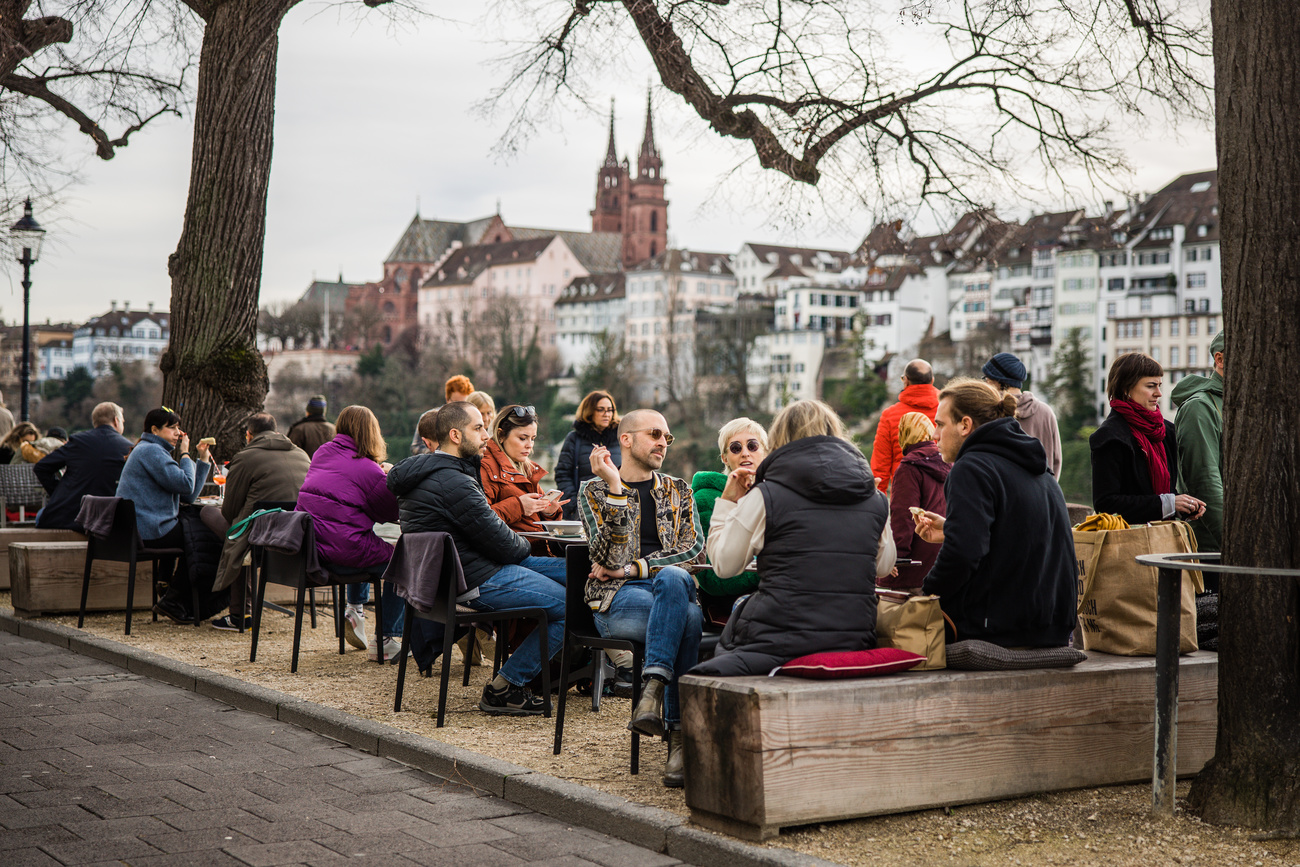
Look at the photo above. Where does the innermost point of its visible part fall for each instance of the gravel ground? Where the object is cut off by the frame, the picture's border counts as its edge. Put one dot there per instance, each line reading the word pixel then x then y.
pixel 1108 827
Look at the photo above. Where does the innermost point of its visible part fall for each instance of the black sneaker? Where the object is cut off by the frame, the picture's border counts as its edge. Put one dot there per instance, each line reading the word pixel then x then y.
pixel 227 623
pixel 622 685
pixel 511 701
pixel 174 612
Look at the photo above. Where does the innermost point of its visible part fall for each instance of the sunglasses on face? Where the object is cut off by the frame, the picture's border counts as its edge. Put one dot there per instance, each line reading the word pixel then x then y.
pixel 750 445
pixel 656 433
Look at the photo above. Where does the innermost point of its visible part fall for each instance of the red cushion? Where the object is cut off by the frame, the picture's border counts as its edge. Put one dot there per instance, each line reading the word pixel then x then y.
pixel 852 663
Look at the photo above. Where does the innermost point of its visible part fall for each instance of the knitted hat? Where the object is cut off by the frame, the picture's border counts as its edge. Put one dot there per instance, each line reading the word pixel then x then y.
pixel 1216 345
pixel 316 404
pixel 1006 369
pixel 58 433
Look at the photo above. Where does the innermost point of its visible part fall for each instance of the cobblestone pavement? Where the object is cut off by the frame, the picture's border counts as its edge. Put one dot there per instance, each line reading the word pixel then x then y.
pixel 100 766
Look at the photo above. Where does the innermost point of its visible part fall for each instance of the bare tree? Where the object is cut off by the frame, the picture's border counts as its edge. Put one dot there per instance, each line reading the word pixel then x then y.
pixel 820 88
pixel 724 342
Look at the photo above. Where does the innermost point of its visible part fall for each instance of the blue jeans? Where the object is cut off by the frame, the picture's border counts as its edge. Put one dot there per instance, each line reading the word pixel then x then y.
pixel 359 593
pixel 522 587
pixel 662 612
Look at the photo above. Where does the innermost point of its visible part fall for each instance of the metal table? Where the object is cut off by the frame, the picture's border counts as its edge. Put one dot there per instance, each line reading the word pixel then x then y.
pixel 1168 625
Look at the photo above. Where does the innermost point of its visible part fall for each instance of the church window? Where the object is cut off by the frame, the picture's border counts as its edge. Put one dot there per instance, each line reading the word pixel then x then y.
pixel 653 249
pixel 654 224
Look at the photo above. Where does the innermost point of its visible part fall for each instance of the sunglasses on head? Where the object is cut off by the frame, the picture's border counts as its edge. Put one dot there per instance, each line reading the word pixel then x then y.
pixel 524 412
pixel 749 445
pixel 656 433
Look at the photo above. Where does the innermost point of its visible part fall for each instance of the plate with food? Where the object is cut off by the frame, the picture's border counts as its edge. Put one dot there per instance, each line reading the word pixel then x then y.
pixel 563 529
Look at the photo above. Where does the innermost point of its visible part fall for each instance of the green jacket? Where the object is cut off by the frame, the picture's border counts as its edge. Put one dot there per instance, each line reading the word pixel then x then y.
pixel 706 488
pixel 1199 429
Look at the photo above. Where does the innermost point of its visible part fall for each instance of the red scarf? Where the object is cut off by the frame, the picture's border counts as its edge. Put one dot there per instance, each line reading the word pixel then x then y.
pixel 1148 427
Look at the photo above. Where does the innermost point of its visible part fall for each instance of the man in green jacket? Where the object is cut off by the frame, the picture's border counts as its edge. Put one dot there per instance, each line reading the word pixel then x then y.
pixel 1199 429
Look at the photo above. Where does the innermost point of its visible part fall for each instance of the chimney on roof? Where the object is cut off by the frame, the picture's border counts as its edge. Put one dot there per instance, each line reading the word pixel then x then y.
pixel 126 306
pixel 1107 207
pixel 150 306
pixel 112 307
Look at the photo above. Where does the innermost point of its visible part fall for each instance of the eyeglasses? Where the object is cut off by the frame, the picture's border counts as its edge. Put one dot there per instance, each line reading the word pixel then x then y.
pixel 524 411
pixel 750 445
pixel 656 433
pixel 602 410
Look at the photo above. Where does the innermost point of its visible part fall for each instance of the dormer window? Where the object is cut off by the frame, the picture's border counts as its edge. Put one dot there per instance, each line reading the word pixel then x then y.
pixel 1199 187
pixel 1202 230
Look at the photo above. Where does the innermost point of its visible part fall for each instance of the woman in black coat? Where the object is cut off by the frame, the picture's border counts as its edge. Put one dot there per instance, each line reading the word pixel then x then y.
pixel 1134 455
pixel 596 425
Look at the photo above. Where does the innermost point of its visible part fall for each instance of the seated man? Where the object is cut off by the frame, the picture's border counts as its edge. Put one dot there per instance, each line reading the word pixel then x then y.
pixel 1006 572
pixel 91 462
pixel 312 430
pixel 269 468
pixel 642 524
pixel 440 491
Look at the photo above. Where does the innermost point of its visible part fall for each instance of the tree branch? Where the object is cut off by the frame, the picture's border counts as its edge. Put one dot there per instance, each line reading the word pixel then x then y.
pixel 105 145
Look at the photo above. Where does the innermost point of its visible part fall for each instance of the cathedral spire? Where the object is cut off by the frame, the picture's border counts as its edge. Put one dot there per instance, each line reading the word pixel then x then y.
pixel 648 149
pixel 611 158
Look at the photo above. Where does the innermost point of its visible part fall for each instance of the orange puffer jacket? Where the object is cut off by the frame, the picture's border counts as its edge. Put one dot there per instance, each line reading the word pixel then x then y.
pixel 504 484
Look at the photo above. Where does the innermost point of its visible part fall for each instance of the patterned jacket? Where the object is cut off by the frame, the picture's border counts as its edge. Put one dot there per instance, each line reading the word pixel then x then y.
pixel 613 525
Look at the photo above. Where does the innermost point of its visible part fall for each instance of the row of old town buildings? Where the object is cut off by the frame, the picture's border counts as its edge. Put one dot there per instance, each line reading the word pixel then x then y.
pixel 1141 277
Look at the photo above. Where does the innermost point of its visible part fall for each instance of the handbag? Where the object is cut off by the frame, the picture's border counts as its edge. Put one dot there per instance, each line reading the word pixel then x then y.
pixel 1117 596
pixel 913 623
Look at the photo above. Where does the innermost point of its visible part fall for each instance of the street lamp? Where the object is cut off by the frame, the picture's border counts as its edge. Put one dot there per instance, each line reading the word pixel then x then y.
pixel 26 236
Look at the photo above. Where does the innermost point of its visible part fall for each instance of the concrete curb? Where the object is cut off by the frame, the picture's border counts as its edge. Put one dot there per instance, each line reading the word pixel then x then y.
pixel 575 804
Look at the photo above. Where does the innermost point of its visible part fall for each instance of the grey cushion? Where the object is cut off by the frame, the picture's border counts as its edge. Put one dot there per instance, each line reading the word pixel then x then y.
pixel 974 655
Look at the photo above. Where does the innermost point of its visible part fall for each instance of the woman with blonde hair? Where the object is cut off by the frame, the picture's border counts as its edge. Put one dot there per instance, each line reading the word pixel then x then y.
pixel 742 442
pixel 482 401
pixel 918 482
pixel 820 529
pixel 346 494
pixel 596 424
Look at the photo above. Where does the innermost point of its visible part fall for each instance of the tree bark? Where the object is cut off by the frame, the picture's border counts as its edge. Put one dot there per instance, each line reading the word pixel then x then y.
pixel 1254 777
pixel 213 375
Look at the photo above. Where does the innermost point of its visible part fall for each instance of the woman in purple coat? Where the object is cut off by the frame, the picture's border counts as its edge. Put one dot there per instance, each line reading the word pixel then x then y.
pixel 346 494
pixel 918 481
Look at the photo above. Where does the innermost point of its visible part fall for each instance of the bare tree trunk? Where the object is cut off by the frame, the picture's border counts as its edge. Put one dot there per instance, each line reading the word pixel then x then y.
pixel 1254 777
pixel 213 374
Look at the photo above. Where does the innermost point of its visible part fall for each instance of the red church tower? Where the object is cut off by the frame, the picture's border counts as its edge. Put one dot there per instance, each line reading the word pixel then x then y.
pixel 633 206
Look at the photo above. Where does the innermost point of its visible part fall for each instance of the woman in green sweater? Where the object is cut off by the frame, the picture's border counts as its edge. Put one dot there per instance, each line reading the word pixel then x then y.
pixel 743 443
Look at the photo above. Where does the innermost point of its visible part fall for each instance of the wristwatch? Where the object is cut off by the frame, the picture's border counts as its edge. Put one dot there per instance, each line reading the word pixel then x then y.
pixel 628 570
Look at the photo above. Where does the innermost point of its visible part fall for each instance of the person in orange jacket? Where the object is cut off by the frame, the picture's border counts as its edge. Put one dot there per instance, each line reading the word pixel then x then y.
pixel 918 395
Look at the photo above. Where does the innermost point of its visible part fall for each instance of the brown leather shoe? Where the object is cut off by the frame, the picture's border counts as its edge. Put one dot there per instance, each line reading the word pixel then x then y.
pixel 675 770
pixel 648 715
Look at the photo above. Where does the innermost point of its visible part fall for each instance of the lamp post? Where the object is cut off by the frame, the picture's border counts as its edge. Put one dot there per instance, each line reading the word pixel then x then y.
pixel 26 236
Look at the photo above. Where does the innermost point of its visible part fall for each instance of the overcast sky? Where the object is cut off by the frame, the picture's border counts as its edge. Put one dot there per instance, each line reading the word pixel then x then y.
pixel 368 122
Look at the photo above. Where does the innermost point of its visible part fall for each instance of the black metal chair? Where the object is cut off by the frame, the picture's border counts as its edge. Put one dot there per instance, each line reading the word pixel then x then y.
pixel 20 490
pixel 288 506
pixel 290 570
pixel 452 615
pixel 122 544
pixel 580 631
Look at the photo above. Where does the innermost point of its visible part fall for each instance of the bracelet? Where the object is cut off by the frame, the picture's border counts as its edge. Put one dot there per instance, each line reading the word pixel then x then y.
pixel 184 455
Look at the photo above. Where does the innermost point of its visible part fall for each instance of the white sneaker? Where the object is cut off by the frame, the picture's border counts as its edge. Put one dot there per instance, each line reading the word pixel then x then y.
pixel 354 628
pixel 392 647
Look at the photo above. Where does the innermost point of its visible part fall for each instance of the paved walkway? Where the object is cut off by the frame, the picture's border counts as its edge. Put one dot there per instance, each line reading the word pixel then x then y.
pixel 100 766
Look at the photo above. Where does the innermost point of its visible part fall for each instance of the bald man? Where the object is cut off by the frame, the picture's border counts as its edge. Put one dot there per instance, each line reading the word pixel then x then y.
pixel 918 395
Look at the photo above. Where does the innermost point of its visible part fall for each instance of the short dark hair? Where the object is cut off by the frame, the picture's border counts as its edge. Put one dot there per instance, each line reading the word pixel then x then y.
pixel 260 422
pixel 1127 370
pixel 917 375
pixel 427 427
pixel 159 416
pixel 452 416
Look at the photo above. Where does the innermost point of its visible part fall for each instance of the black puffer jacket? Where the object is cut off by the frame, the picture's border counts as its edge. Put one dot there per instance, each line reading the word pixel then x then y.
pixel 1006 572
pixel 573 467
pixel 817 570
pixel 1121 480
pixel 440 493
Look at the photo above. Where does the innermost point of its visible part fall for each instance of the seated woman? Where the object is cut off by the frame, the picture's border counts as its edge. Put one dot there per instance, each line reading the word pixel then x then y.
pixel 510 480
pixel 596 424
pixel 158 483
pixel 918 483
pixel 742 442
pixel 820 529
pixel 346 493
pixel 11 448
pixel 1134 455
pixel 482 401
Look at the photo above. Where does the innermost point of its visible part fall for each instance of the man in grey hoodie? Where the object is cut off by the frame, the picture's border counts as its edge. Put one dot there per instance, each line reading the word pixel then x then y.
pixel 1007 374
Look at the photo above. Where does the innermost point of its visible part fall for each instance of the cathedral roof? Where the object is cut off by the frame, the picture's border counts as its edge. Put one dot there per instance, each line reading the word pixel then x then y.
pixel 428 240
pixel 599 252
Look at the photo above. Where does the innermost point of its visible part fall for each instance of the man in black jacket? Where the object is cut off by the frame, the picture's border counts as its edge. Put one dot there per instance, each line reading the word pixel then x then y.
pixel 91 463
pixel 1006 572
pixel 440 492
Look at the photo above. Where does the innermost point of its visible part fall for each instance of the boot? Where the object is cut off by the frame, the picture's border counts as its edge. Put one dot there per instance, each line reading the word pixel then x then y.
pixel 648 715
pixel 675 770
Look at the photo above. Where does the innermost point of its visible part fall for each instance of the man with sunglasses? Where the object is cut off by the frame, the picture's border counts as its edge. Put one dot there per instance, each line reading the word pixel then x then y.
pixel 643 529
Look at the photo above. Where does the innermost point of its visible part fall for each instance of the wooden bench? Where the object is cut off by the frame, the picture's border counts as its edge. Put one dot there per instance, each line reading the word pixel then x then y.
pixel 29 534
pixel 763 753
pixel 46 579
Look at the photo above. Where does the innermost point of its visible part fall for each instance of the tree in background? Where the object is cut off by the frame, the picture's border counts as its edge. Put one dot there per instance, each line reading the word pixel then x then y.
pixel 724 342
pixel 610 367
pixel 1070 385
pixel 505 337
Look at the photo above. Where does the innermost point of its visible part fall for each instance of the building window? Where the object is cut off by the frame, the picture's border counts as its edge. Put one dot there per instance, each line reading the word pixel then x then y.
pixel 1145 303
pixel 1191 332
pixel 1173 356
pixel 1110 309
pixel 1211 326
pixel 1173 327
pixel 1163 233
pixel 1196 280
pixel 1155 353
pixel 1204 305
pixel 1155 328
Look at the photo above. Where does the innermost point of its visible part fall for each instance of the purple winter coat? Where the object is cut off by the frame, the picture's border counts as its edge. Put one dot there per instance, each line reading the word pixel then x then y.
pixel 346 494
pixel 918 481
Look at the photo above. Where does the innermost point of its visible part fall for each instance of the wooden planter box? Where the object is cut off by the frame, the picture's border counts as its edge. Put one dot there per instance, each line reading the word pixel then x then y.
pixel 763 753
pixel 29 534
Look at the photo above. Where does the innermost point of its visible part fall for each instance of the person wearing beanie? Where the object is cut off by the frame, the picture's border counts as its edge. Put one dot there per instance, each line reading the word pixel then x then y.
pixel 1198 428
pixel 312 431
pixel 1007 373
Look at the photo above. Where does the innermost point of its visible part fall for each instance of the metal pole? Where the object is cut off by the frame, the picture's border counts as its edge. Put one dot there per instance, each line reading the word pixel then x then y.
pixel 27 333
pixel 1168 626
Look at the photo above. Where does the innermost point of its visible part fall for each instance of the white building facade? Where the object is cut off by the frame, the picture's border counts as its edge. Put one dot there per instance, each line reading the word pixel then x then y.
pixel 121 336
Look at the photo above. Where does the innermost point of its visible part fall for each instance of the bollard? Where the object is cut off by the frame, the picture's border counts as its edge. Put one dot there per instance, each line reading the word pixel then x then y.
pixel 1168 626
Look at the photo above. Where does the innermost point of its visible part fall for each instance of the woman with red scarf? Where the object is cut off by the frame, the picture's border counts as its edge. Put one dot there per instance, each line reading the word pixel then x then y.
pixel 1134 456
